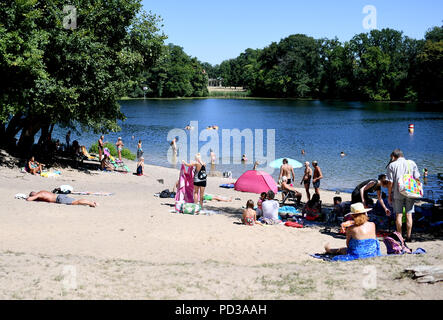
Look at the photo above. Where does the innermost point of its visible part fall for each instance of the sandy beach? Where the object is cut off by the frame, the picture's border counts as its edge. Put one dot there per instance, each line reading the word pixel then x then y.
pixel 133 247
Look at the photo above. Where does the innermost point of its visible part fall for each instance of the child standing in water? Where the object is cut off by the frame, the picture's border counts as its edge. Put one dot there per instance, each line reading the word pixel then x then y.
pixel 139 150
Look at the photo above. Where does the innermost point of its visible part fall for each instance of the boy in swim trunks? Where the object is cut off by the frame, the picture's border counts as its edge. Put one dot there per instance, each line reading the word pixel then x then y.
pixel 316 178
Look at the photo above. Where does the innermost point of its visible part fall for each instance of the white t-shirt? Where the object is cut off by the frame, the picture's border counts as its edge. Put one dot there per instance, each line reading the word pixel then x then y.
pixel 270 209
pixel 396 170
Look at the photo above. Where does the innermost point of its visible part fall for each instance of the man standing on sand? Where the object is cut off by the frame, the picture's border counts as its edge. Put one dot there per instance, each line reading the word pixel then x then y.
pixel 316 177
pixel 101 145
pixel 286 170
pixel 47 196
pixel 306 180
pixel 398 167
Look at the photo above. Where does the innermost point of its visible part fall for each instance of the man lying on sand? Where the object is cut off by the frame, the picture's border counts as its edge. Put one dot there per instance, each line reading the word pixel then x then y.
pixel 58 198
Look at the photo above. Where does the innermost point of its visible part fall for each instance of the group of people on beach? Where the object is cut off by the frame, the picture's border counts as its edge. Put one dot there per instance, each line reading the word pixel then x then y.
pixel 361 238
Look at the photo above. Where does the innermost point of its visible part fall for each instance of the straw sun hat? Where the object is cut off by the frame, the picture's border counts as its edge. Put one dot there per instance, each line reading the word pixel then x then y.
pixel 358 208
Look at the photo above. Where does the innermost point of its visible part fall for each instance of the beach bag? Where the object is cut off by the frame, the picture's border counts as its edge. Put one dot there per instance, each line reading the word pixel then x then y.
pixel 395 244
pixel 190 208
pixel 178 206
pixel 165 194
pixel 409 187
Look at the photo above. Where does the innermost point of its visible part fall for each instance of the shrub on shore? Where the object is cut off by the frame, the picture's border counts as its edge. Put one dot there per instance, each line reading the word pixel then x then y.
pixel 126 153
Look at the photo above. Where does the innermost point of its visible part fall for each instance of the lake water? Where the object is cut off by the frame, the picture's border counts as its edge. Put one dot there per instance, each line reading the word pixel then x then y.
pixel 366 132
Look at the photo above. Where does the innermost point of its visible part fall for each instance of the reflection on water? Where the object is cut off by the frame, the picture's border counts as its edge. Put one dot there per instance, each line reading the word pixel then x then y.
pixel 366 132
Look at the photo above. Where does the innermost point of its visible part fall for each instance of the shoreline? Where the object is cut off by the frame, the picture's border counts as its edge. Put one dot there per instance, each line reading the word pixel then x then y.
pixel 133 247
pixel 234 97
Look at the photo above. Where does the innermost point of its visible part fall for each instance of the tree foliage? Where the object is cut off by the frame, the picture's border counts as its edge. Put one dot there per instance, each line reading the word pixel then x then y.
pixel 70 76
pixel 379 65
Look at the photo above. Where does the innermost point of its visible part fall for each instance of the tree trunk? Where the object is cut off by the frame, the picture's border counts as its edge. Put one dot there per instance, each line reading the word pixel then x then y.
pixel 26 140
pixel 8 135
pixel 44 134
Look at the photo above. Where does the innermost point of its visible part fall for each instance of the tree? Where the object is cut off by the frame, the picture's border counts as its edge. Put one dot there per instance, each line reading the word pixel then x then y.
pixel 71 77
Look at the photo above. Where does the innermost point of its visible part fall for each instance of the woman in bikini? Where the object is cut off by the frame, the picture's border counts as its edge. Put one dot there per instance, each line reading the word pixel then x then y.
pixel 34 167
pixel 199 178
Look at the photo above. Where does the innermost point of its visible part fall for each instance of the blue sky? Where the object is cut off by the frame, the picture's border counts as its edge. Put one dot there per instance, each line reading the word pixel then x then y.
pixel 216 30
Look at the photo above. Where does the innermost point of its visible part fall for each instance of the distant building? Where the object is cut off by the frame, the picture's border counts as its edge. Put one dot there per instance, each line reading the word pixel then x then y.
pixel 218 82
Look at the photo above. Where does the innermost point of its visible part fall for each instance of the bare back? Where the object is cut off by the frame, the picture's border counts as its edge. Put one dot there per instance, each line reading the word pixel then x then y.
pixel 364 231
pixel 43 196
pixel 286 170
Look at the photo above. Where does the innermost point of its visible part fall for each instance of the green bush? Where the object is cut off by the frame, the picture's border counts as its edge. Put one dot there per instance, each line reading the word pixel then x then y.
pixel 126 153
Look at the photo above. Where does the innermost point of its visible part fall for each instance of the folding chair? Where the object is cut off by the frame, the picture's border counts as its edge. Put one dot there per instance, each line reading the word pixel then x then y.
pixel 290 195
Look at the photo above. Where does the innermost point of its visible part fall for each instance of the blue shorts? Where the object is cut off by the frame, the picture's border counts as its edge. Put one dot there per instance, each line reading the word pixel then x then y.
pixel 316 184
pixel 64 199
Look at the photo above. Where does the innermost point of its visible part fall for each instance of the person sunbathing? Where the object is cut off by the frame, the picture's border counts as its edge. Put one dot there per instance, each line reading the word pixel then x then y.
pixel 287 187
pixel 34 166
pixel 361 239
pixel 47 196
pixel 210 197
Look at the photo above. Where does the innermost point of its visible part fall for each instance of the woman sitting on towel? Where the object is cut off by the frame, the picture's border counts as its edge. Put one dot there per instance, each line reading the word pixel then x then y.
pixel 312 208
pixel 361 239
pixel 106 164
pixel 34 166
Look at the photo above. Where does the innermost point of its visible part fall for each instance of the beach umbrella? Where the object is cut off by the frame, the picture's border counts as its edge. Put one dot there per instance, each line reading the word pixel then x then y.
pixel 255 181
pixel 277 163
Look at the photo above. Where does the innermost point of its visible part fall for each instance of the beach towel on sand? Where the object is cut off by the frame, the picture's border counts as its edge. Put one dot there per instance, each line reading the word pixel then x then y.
pixel 185 188
pixel 359 249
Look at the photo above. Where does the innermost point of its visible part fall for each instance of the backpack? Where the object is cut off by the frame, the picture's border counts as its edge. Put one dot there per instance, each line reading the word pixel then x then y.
pixel 202 173
pixel 165 194
pixel 408 186
pixel 395 244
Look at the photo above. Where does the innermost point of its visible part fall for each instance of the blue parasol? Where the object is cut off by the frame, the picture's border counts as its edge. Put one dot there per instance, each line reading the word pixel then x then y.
pixel 277 163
